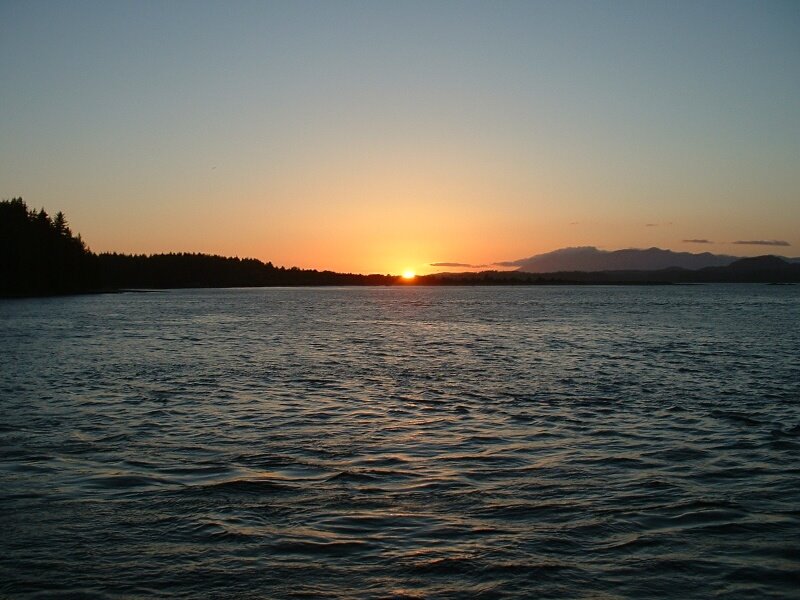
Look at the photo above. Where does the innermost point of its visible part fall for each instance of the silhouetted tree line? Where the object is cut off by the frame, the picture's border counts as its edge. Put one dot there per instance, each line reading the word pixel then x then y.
pixel 187 270
pixel 39 255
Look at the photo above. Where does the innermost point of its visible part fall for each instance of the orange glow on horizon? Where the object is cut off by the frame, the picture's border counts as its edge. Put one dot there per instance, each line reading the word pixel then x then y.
pixel 408 274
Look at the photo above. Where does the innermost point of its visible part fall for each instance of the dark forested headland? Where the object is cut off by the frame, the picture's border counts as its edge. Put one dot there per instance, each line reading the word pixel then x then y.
pixel 39 255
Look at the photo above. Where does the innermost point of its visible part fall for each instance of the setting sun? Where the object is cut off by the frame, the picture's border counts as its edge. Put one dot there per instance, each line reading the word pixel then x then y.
pixel 409 274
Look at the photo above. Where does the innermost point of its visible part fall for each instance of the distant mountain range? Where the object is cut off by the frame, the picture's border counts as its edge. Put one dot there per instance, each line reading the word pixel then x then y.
pixel 591 259
pixel 758 269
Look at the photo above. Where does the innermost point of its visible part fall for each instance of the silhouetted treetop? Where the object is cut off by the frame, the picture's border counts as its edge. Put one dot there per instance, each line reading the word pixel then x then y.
pixel 39 255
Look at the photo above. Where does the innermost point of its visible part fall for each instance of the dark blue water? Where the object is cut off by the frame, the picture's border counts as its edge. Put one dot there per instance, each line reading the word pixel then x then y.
pixel 566 442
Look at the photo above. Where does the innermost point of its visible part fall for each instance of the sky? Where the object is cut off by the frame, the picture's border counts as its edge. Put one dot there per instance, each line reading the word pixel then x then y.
pixel 385 136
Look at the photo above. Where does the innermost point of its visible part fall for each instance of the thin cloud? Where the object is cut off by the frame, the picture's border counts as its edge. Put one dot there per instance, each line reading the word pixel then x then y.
pixel 651 224
pixel 508 263
pixel 697 242
pixel 762 242
pixel 456 264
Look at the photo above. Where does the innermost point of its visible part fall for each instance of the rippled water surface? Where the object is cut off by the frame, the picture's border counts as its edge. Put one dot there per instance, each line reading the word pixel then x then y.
pixel 564 442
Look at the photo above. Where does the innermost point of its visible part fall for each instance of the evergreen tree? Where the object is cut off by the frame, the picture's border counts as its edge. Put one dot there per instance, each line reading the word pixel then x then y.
pixel 39 255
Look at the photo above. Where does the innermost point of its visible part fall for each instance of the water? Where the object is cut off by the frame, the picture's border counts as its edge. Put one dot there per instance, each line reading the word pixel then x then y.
pixel 565 442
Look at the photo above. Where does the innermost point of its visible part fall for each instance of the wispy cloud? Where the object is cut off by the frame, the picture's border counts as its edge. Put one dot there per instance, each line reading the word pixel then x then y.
pixel 762 242
pixel 457 264
pixel 651 224
pixel 701 241
pixel 508 263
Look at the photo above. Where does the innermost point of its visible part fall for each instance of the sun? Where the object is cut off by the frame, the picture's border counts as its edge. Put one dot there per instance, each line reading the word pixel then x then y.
pixel 409 274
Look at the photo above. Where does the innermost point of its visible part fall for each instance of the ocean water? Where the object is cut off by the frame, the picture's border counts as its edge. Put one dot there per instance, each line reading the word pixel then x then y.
pixel 526 442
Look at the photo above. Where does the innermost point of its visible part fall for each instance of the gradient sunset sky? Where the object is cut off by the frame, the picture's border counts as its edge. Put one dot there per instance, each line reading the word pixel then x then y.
pixel 380 136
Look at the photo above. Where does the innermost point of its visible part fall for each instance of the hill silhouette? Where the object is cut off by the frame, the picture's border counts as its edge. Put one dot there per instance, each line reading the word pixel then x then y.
pixel 759 269
pixel 590 258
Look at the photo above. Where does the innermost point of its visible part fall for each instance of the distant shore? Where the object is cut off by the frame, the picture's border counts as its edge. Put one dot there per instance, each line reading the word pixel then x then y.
pixel 40 256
